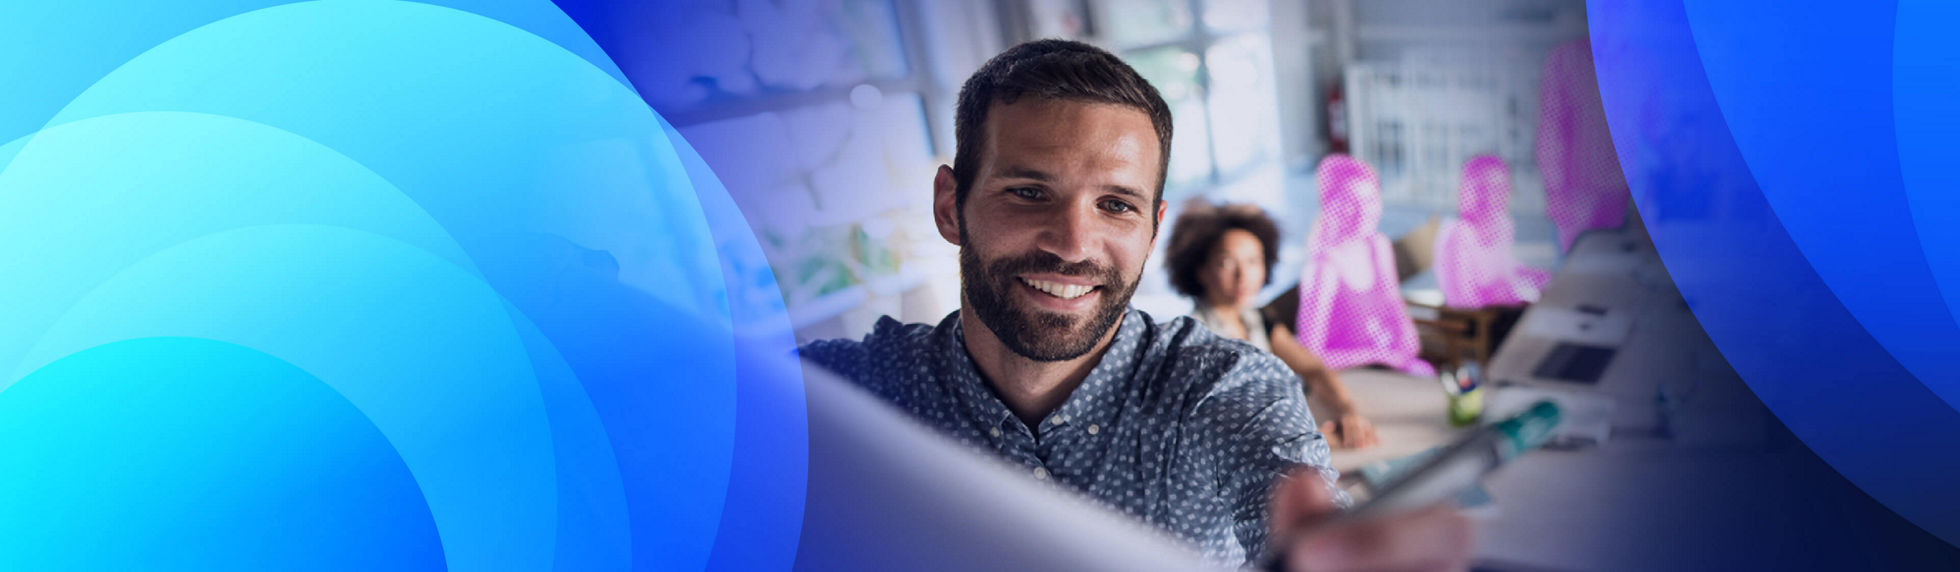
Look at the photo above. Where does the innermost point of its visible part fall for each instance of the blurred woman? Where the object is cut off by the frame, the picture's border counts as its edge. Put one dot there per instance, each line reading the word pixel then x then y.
pixel 1220 257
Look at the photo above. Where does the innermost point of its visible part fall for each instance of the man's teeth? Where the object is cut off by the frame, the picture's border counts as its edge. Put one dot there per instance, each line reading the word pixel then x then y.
pixel 1063 291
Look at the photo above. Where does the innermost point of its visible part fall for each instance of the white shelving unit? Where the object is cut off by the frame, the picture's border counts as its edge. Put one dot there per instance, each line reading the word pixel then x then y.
pixel 1417 121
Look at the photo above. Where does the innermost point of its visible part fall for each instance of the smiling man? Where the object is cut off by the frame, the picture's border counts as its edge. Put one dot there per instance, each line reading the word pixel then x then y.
pixel 1055 199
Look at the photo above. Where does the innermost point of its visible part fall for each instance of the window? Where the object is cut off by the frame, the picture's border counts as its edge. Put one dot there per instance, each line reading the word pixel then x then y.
pixel 1215 71
pixel 814 113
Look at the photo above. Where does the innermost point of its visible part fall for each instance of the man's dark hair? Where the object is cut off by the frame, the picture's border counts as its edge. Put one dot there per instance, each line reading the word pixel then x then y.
pixel 1051 69
pixel 1196 234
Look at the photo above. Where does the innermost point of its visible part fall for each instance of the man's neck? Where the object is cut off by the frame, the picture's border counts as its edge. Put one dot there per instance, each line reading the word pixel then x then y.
pixel 1031 389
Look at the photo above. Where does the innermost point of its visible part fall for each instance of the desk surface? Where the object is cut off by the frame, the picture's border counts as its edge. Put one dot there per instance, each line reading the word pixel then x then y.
pixel 1665 347
pixel 1637 504
pixel 1599 508
pixel 1409 413
pixel 1629 503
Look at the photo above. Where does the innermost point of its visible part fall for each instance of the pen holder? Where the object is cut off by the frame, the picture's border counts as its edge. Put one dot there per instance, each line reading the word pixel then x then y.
pixel 1466 407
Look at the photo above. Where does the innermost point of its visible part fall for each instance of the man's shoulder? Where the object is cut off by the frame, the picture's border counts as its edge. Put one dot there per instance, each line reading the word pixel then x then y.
pixel 1232 390
pixel 889 342
pixel 1217 363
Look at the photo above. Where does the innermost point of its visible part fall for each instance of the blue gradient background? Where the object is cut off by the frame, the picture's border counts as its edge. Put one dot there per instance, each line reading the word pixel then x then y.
pixel 369 285
pixel 1793 163
pixel 391 285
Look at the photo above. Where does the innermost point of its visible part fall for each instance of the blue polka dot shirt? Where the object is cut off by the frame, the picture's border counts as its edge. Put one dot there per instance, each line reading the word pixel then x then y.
pixel 1176 426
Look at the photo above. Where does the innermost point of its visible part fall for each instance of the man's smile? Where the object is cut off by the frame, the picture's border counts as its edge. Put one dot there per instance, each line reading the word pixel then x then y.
pixel 1064 287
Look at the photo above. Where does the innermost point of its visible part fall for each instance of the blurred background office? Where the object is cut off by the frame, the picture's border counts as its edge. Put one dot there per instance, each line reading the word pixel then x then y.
pixel 826 119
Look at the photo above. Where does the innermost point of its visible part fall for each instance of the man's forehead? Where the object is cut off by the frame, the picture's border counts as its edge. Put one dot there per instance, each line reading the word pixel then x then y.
pixel 1001 117
pixel 1034 128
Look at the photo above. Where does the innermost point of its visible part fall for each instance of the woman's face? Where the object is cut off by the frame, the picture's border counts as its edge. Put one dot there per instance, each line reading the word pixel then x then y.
pixel 1235 271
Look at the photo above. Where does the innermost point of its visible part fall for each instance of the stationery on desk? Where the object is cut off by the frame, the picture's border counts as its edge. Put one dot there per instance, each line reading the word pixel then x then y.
pixel 1452 472
pixel 1587 420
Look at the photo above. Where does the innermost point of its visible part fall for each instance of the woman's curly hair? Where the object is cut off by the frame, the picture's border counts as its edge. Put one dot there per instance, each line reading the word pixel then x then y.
pixel 1196 234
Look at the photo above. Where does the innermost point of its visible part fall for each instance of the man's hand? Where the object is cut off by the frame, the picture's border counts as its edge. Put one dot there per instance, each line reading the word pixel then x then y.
pixel 1305 530
pixel 1349 431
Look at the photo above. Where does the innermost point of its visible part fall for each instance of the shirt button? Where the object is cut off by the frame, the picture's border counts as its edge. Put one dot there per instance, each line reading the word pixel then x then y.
pixel 994 431
pixel 1040 474
pixel 1094 429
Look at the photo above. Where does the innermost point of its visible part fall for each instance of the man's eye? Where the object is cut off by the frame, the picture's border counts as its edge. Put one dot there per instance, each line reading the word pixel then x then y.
pixel 1117 206
pixel 1029 193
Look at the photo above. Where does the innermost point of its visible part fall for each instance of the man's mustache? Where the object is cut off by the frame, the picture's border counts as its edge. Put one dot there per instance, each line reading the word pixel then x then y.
pixel 1048 263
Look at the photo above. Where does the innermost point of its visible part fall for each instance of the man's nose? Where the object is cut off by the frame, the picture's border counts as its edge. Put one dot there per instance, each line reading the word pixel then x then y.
pixel 1070 232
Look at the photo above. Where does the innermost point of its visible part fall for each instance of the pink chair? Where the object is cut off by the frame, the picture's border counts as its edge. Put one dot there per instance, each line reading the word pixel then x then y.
pixel 1584 188
pixel 1351 309
pixel 1473 252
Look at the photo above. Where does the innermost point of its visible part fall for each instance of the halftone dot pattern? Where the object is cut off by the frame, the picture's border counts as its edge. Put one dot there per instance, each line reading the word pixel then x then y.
pixel 1351 308
pixel 1584 189
pixel 1474 265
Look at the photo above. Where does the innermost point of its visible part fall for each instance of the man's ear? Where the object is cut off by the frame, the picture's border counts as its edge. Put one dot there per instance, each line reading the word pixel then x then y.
pixel 945 205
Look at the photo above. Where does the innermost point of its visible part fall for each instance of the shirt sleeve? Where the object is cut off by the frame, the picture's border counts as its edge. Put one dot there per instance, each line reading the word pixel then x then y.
pixel 1266 431
pixel 859 361
pixel 847 359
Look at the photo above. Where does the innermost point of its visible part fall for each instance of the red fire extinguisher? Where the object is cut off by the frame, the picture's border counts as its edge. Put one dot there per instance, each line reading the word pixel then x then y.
pixel 1337 120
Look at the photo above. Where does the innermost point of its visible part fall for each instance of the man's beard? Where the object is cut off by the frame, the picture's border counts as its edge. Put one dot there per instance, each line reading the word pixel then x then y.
pixel 1036 334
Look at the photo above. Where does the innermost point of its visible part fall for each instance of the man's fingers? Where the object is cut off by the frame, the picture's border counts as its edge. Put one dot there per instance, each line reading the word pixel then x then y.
pixel 1299 500
pixel 1331 430
pixel 1433 539
pixel 1349 432
pixel 1360 433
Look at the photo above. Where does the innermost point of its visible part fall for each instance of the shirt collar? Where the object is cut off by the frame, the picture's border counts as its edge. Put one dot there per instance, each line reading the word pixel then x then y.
pixel 1092 402
pixel 977 401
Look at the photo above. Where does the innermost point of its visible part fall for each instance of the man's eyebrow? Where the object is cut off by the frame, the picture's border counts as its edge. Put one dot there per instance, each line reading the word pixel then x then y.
pixel 1122 190
pixel 1024 173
